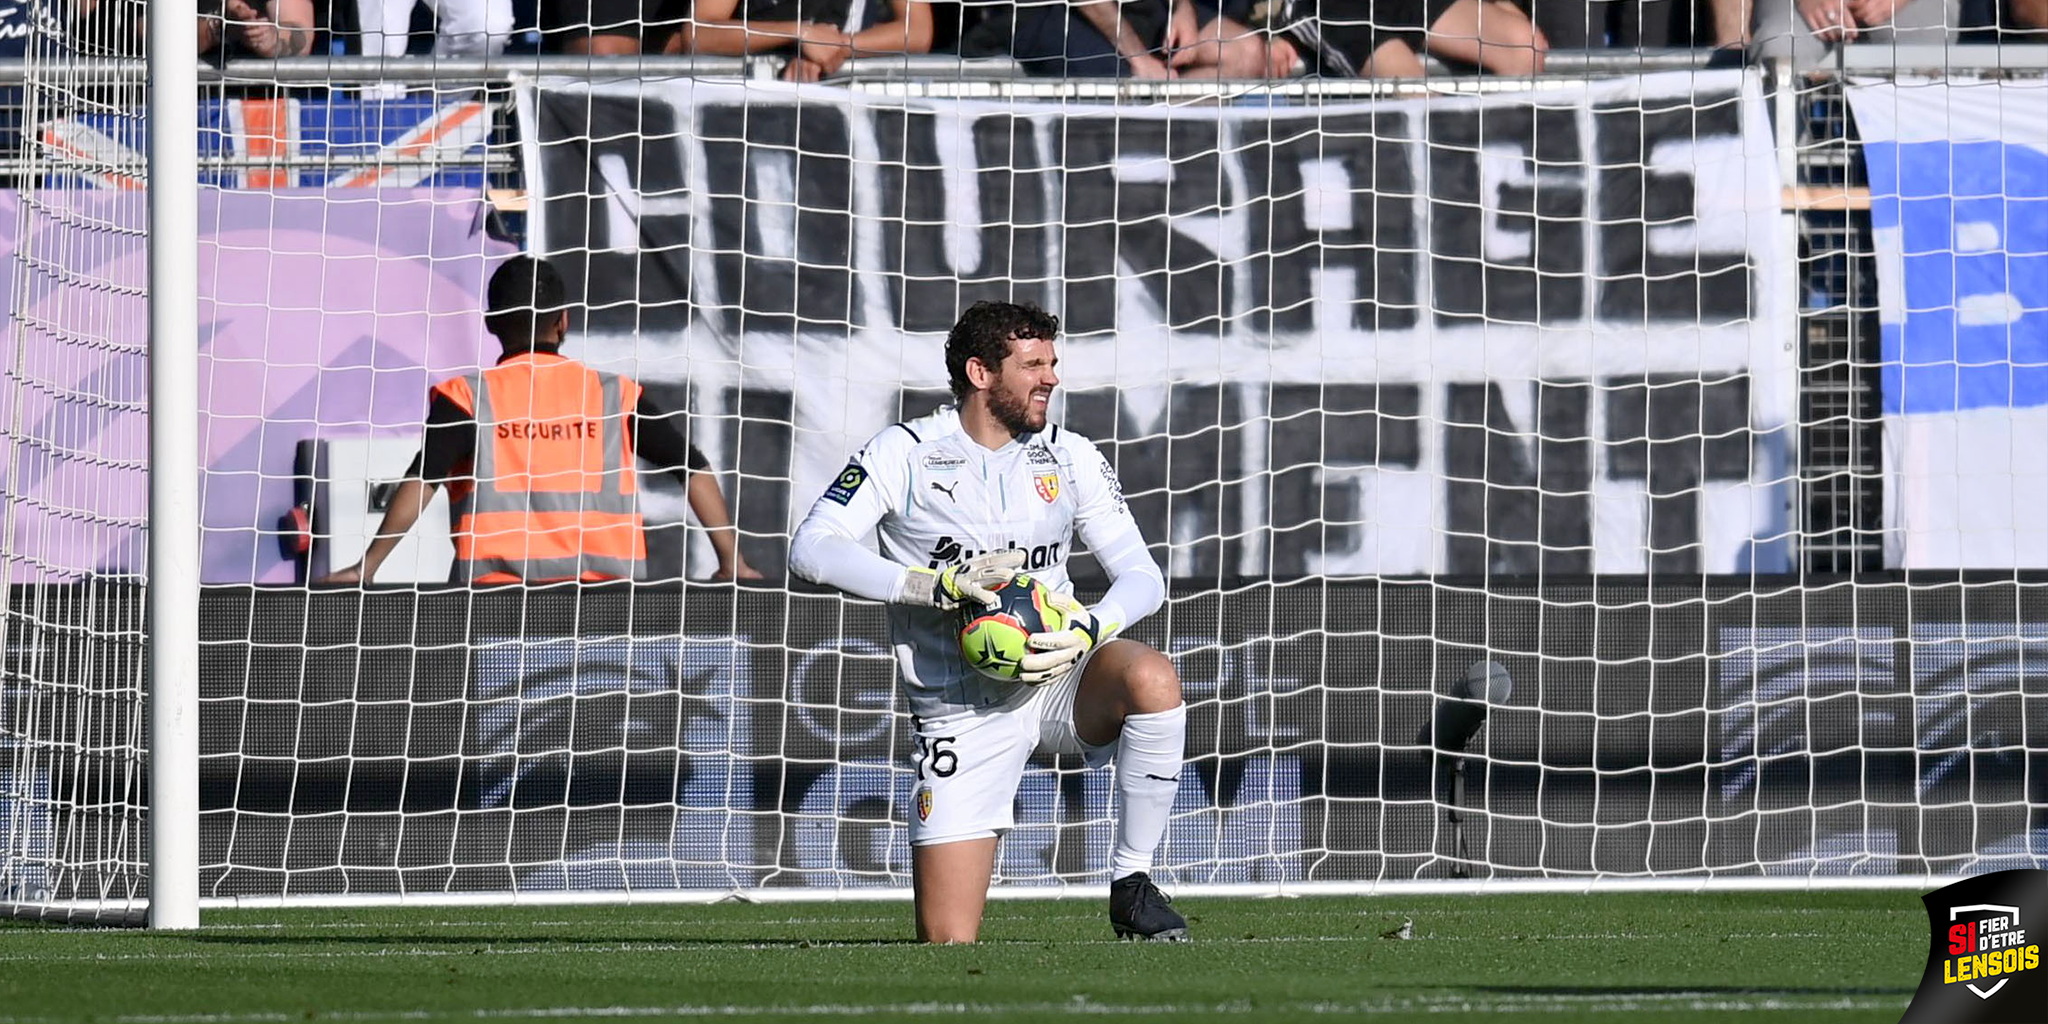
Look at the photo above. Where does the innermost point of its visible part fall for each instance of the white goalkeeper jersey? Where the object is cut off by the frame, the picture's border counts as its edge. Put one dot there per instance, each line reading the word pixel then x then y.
pixel 935 497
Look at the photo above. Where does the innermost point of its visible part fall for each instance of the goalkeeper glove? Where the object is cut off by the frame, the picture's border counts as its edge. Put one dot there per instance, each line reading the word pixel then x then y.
pixel 1056 652
pixel 949 588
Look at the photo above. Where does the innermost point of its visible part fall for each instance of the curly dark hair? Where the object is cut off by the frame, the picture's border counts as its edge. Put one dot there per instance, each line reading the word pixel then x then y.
pixel 985 331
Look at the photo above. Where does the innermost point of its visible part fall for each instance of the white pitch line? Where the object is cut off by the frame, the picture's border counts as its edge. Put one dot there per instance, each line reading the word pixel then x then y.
pixel 1360 907
pixel 483 947
pixel 321 926
pixel 1079 1006
pixel 1371 912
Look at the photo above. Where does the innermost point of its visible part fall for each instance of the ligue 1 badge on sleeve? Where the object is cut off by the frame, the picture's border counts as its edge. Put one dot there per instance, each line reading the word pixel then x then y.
pixel 1984 959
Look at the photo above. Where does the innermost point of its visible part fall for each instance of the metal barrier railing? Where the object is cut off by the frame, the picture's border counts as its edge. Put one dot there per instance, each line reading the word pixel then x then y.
pixel 939 68
pixel 442 71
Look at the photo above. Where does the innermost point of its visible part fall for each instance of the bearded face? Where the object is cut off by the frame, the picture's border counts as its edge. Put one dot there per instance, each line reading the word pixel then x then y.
pixel 1021 390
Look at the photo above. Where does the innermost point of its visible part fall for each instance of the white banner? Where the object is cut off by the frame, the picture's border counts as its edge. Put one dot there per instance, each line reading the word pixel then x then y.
pixel 1959 213
pixel 1547 331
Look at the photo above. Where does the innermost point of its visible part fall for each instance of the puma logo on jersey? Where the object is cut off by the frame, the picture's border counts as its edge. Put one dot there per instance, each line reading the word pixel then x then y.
pixel 945 490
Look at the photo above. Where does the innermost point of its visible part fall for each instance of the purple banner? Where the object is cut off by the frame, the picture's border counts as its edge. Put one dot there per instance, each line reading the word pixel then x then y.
pixel 319 311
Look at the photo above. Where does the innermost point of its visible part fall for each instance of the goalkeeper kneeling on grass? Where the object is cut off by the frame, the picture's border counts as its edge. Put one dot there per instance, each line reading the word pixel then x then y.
pixel 962 500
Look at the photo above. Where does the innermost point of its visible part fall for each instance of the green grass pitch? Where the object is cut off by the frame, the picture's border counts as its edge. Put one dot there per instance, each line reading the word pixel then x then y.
pixel 1816 958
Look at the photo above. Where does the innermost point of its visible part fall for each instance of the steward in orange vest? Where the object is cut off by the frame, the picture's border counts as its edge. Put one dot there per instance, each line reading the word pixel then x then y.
pixel 538 454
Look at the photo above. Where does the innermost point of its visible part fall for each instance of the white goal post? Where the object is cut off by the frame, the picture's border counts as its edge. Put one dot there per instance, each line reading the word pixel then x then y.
pixel 175 465
pixel 1520 452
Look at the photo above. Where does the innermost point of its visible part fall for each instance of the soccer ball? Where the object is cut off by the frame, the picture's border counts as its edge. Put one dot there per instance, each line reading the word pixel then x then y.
pixel 993 639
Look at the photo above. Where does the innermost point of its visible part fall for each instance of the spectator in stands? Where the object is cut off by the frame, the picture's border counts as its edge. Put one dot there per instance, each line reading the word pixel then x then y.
pixel 538 456
pixel 1386 38
pixel 1142 39
pixel 2024 21
pixel 238 28
pixel 1730 19
pixel 820 35
pixel 1807 30
pixel 1597 24
pixel 462 28
pixel 265 29
pixel 611 27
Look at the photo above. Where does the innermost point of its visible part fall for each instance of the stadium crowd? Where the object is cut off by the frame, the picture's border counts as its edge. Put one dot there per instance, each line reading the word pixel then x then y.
pixel 1070 38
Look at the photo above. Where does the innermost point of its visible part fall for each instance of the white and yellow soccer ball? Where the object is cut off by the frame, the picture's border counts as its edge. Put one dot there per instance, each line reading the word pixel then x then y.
pixel 995 640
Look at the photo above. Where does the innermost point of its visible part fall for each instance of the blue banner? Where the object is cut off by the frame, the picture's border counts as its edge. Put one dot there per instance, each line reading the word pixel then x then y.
pixel 1959 218
pixel 1970 222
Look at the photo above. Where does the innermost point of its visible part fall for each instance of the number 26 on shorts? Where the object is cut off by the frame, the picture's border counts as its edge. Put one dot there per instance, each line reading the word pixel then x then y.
pixel 933 756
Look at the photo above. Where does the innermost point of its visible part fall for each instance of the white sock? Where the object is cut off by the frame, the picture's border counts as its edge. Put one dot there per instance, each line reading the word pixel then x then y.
pixel 1148 760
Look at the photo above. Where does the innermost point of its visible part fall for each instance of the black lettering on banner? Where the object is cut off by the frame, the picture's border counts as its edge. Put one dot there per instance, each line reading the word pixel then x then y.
pixel 1173 471
pixel 1206 424
pixel 1688 283
pixel 919 214
pixel 1127 184
pixel 1316 428
pixel 1323 201
pixel 1368 229
pixel 917 403
pixel 1507 190
pixel 781 183
pixel 1489 485
pixel 1564 475
pixel 759 447
pixel 1675 432
pixel 614 186
pixel 1518 495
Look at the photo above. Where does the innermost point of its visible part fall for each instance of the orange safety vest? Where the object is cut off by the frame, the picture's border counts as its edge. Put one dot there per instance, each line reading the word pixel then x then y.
pixel 552 494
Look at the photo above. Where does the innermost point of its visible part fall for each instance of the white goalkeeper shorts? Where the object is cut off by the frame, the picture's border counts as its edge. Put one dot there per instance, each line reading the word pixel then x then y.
pixel 968 766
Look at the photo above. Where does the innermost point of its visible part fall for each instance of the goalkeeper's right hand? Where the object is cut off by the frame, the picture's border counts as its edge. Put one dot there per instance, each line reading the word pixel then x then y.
pixel 949 588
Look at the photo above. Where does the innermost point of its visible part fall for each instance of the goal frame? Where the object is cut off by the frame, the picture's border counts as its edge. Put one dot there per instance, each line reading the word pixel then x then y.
pixel 173 623
pixel 174 900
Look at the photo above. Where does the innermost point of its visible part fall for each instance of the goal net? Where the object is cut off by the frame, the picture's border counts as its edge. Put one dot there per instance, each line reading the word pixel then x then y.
pixel 73 507
pixel 1505 442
